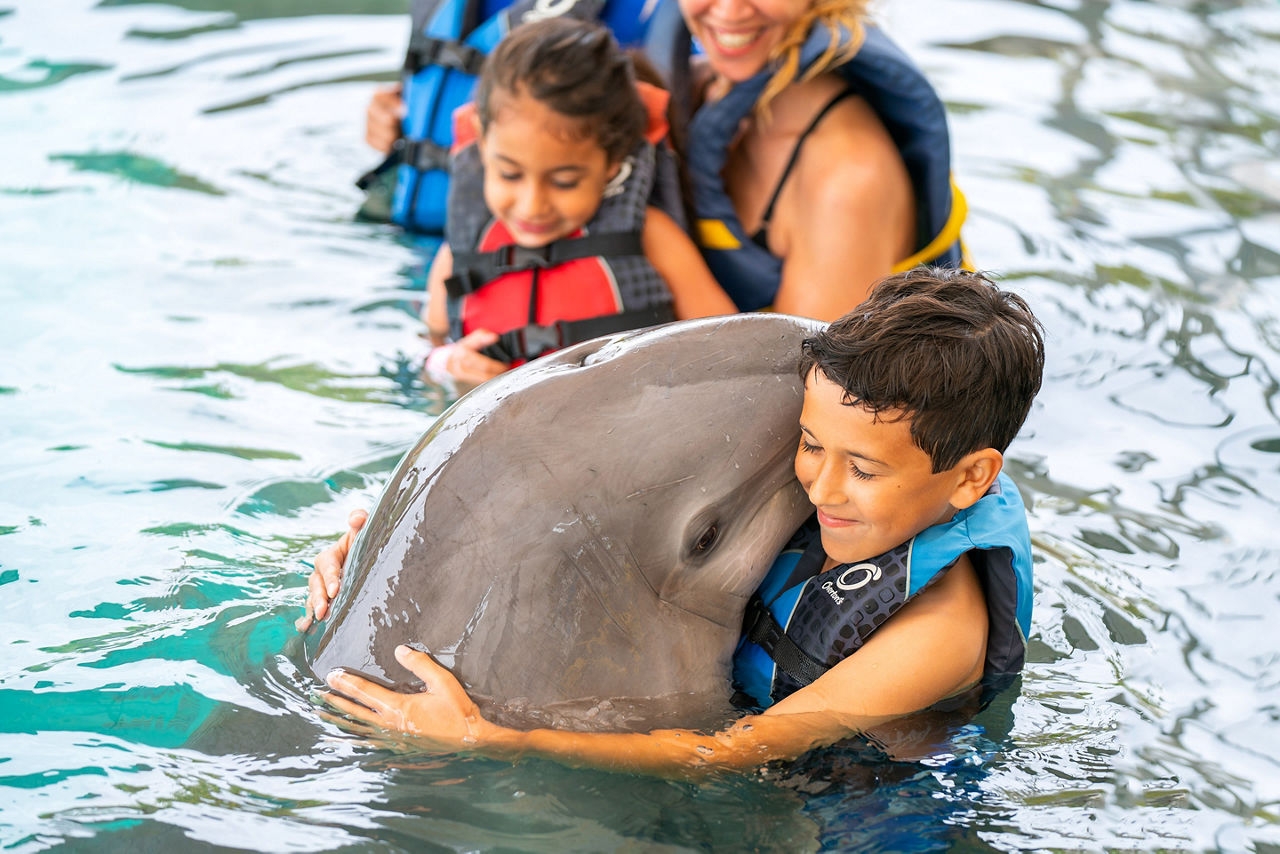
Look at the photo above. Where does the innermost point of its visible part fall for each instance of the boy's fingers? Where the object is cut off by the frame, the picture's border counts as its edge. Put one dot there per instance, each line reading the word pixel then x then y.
pixel 361 690
pixel 420 664
pixel 353 710
pixel 317 596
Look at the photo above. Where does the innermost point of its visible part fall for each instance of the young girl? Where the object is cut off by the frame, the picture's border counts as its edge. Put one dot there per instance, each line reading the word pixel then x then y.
pixel 555 234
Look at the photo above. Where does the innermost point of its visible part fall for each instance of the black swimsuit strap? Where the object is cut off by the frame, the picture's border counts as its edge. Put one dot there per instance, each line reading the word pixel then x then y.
pixel 760 235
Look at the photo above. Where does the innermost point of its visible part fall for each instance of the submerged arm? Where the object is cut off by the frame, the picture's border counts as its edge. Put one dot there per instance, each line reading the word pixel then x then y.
pixel 931 649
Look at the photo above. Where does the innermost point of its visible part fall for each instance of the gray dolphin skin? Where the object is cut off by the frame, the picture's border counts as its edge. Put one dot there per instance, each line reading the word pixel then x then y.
pixel 583 533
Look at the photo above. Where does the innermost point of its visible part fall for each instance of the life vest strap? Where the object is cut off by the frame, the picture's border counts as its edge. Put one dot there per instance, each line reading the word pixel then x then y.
pixel 473 270
pixel 532 341
pixel 423 154
pixel 427 50
pixel 760 627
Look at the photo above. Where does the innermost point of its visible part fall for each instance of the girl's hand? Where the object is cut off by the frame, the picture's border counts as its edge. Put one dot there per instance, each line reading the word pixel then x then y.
pixel 443 713
pixel 463 361
pixel 382 118
pixel 322 586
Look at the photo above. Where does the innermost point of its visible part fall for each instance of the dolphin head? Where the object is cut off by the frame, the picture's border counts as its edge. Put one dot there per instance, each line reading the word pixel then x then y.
pixel 587 526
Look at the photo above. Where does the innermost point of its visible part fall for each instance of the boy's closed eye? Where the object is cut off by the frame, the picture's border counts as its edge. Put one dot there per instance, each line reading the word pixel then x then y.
pixel 810 448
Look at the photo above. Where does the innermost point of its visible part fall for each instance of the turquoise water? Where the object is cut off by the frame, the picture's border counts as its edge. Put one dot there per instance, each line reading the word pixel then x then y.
pixel 199 378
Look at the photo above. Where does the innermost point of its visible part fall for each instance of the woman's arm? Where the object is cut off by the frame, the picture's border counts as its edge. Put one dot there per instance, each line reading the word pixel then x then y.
pixel 678 261
pixel 845 218
pixel 931 649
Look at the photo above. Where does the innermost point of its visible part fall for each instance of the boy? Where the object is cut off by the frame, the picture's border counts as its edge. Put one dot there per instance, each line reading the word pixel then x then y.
pixel 910 585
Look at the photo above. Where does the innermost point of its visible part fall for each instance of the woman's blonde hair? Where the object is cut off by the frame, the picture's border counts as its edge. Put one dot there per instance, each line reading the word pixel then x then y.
pixel 836 16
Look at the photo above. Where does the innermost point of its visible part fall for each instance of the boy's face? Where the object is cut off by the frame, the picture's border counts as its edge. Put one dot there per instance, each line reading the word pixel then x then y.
pixel 872 487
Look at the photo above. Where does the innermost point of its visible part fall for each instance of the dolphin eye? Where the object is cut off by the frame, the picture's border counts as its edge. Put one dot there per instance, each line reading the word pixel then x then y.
pixel 708 538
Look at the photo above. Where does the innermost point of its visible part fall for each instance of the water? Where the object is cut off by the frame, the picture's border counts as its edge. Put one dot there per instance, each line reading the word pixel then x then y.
pixel 192 394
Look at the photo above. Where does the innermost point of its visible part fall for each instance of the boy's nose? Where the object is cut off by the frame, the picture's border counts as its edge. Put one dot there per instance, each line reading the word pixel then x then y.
pixel 826 490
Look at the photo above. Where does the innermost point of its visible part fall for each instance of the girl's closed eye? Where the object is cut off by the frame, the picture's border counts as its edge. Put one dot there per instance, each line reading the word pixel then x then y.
pixel 808 447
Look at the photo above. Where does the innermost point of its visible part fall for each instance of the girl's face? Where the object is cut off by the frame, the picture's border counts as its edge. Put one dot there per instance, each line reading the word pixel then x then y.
pixel 541 179
pixel 738 35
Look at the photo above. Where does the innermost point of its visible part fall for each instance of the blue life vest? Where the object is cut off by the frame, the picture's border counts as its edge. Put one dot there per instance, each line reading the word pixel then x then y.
pixel 449 41
pixel 909 109
pixel 803 621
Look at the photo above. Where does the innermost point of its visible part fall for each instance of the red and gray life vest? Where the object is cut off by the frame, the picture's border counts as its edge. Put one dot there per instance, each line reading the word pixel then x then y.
pixel 802 621
pixel 910 110
pixel 593 283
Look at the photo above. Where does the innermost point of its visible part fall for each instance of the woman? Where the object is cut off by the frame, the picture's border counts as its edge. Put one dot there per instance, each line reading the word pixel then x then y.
pixel 818 154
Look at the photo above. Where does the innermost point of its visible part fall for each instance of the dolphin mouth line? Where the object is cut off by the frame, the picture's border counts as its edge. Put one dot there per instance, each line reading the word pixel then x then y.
pixel 657 486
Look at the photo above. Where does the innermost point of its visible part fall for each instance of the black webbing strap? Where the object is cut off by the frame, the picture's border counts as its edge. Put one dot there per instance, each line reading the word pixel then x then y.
pixel 422 154
pixel 474 270
pixel 759 627
pixel 393 159
pixel 532 341
pixel 427 50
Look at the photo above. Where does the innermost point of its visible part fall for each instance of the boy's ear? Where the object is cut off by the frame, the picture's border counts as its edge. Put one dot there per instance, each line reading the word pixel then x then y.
pixel 976 472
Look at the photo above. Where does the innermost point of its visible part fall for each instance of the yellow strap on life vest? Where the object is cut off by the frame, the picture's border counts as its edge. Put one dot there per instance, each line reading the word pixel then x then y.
pixel 714 234
pixel 949 234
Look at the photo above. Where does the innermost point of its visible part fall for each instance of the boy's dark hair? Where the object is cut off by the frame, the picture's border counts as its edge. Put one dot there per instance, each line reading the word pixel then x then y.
pixel 575 68
pixel 946 348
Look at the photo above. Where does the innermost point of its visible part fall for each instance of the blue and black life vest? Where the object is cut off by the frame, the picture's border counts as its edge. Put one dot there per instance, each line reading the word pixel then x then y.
pixel 447 46
pixel 802 621
pixel 596 282
pixel 909 109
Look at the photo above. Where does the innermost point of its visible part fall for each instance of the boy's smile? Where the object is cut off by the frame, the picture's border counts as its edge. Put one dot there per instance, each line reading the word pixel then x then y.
pixel 872 486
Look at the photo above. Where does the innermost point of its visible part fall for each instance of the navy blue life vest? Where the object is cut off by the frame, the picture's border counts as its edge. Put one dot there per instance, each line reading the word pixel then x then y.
pixel 596 282
pixel 802 621
pixel 909 109
pixel 447 46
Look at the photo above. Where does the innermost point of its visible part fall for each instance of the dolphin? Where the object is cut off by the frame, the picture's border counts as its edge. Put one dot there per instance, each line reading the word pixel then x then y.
pixel 577 539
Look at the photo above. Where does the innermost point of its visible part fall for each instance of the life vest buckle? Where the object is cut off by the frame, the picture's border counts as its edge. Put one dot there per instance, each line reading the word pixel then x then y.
pixel 424 155
pixel 516 258
pixel 427 50
pixel 537 340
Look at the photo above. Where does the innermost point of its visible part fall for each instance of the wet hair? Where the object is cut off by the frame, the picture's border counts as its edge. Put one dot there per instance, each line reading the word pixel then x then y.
pixel 576 69
pixel 835 15
pixel 947 349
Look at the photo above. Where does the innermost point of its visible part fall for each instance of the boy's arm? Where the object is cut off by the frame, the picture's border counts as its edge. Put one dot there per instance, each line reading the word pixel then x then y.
pixel 678 261
pixel 932 648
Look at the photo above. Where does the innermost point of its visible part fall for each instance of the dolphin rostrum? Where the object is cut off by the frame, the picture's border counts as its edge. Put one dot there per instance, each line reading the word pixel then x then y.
pixel 577 539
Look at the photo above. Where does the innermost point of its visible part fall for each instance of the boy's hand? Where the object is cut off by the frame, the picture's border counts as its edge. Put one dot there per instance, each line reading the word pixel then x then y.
pixel 442 713
pixel 322 586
